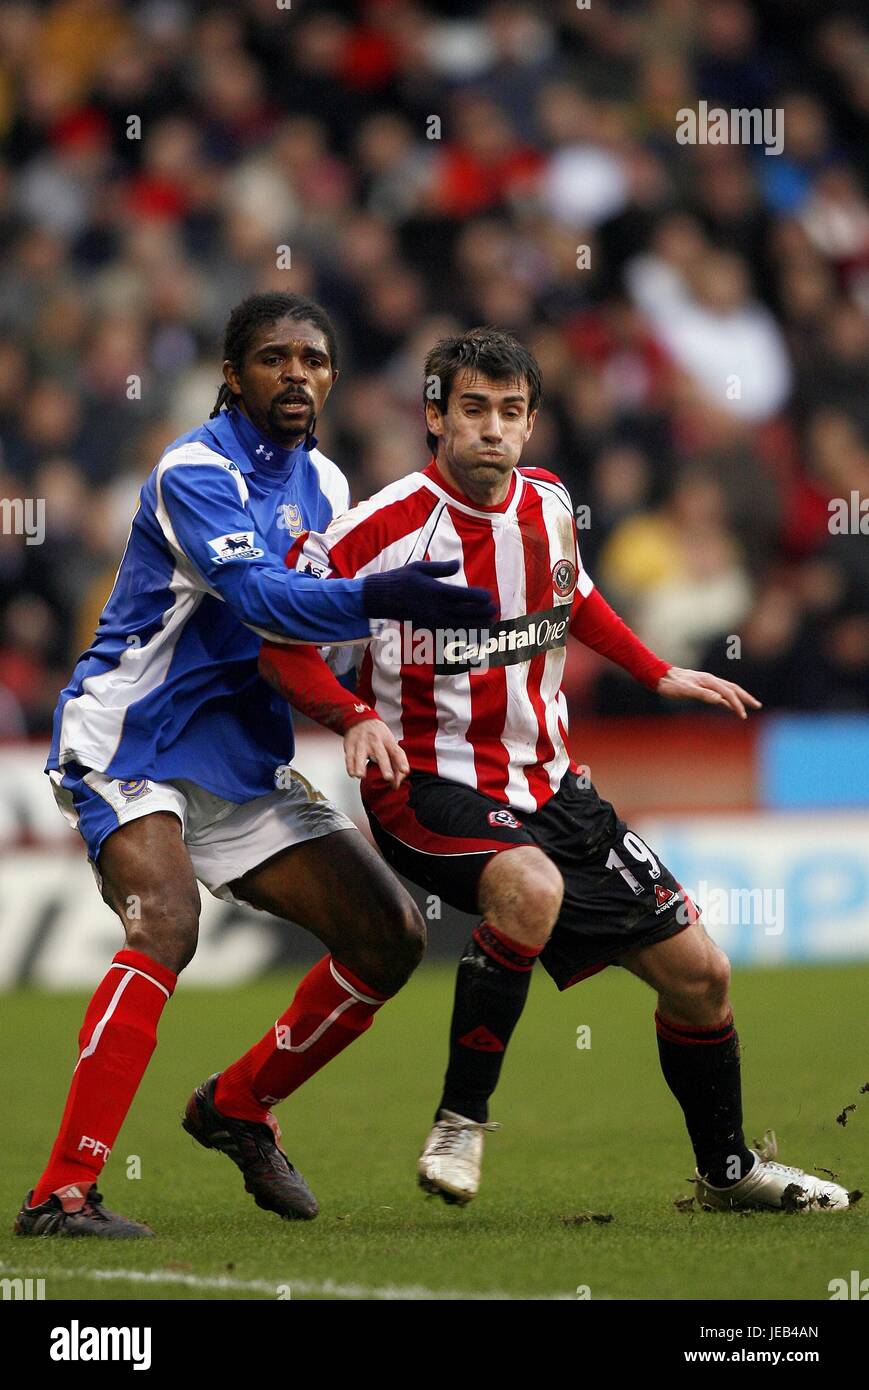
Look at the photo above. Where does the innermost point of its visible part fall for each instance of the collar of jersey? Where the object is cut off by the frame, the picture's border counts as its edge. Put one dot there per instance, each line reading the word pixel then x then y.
pixel 502 512
pixel 232 422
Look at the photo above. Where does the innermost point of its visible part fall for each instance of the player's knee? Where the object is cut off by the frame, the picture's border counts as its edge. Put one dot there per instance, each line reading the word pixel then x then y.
pixel 397 943
pixel 164 928
pixel 521 894
pixel 539 912
pixel 706 985
pixel 717 976
pixel 407 936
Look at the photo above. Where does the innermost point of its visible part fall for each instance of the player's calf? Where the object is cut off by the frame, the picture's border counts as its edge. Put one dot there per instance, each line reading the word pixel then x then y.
pixel 147 877
pixel 520 895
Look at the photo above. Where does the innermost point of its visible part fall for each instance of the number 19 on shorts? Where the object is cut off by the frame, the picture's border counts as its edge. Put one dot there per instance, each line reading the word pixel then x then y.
pixel 634 845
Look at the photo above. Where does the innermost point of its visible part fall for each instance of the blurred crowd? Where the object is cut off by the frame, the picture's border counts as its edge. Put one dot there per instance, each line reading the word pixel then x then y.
pixel 700 312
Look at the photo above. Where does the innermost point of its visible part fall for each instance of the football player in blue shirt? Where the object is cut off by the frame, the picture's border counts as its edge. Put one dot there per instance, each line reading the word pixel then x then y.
pixel 172 757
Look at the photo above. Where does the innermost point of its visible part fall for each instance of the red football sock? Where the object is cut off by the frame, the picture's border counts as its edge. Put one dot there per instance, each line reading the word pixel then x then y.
pixel 117 1038
pixel 330 1009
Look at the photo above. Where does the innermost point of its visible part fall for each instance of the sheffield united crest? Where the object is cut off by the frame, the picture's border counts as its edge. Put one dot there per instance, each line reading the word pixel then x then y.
pixel 564 578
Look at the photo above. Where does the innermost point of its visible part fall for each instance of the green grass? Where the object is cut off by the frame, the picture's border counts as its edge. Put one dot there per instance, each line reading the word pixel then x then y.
pixel 584 1130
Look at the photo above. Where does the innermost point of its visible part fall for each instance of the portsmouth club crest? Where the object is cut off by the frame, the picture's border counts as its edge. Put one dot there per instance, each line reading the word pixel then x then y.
pixel 564 578
pixel 133 788
pixel 290 518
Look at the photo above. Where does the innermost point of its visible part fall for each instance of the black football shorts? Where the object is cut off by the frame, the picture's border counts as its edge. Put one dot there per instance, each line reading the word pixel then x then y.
pixel 617 893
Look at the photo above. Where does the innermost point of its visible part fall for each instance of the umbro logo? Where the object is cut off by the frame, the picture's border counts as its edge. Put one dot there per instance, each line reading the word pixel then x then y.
pixel 482 1039
pixel 267 453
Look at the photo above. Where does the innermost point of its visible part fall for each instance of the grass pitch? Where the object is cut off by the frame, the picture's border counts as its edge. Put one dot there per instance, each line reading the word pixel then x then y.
pixel 584 1130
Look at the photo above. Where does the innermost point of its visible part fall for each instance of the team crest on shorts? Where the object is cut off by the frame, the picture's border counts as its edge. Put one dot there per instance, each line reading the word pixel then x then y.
pixel 135 787
pixel 504 818
pixel 564 578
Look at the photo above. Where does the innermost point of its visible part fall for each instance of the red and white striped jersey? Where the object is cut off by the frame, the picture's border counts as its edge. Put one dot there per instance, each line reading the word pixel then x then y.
pixel 486 710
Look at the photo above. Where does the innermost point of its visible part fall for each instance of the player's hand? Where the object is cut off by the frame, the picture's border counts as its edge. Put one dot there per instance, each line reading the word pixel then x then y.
pixel 680 684
pixel 371 741
pixel 416 594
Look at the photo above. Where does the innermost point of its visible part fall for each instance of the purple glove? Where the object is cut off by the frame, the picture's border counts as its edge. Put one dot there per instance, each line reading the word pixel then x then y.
pixel 415 594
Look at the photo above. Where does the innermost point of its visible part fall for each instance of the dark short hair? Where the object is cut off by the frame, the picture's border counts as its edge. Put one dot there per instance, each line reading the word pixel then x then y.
pixel 259 309
pixel 488 352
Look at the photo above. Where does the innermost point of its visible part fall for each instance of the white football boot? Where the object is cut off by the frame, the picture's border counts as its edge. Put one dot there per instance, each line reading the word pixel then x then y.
pixel 772 1184
pixel 450 1162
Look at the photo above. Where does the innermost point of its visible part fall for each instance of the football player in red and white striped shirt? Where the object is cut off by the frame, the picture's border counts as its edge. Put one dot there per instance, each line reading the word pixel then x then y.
pixel 494 816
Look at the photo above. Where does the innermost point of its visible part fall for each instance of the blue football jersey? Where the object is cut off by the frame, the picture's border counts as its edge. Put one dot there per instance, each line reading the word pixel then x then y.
pixel 169 688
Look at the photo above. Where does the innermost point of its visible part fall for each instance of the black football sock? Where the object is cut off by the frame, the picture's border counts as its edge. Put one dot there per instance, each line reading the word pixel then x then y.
pixel 491 988
pixel 701 1067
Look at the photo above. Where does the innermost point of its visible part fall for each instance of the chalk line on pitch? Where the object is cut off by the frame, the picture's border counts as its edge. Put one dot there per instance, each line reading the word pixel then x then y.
pixel 327 1288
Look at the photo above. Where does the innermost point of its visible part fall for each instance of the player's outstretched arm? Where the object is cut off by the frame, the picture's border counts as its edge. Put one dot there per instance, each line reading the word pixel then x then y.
pixel 600 627
pixel 201 511
pixel 300 674
pixel 681 684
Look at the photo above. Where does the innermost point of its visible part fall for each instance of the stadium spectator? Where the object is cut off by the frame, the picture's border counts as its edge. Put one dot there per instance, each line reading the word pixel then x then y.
pixel 294 149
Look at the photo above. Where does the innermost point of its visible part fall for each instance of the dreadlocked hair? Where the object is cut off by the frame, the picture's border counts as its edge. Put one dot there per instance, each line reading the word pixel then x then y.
pixel 259 309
